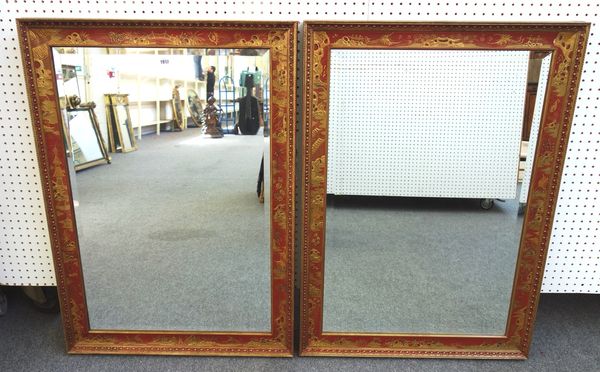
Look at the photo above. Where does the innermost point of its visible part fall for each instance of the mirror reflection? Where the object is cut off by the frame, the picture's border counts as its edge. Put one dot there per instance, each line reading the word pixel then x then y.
pixel 428 166
pixel 124 125
pixel 118 122
pixel 174 235
pixel 86 144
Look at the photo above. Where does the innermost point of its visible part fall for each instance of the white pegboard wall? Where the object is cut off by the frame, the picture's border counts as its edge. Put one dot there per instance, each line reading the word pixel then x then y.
pixel 431 123
pixel 25 255
pixel 574 258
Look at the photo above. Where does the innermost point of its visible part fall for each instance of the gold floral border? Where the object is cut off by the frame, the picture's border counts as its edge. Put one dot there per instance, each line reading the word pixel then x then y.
pixel 568 42
pixel 37 37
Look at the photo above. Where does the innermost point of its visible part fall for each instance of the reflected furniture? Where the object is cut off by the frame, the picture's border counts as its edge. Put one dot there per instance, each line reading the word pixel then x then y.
pixel 87 147
pixel 120 129
pixel 195 108
pixel 177 109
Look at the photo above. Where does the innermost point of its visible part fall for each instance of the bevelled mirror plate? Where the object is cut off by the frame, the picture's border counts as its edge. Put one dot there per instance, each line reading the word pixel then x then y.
pixel 185 245
pixel 432 158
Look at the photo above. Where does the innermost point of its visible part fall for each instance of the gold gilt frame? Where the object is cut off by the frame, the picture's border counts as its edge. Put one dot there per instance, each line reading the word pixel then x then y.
pixel 37 37
pixel 178 119
pixel 567 42
pixel 111 101
pixel 94 123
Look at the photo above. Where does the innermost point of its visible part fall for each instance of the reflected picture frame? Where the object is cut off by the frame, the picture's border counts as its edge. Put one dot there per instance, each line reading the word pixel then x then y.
pixel 567 42
pixel 177 109
pixel 101 146
pixel 195 108
pixel 37 37
pixel 112 101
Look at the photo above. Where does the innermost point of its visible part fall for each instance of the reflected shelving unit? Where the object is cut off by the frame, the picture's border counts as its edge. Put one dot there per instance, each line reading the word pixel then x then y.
pixel 151 93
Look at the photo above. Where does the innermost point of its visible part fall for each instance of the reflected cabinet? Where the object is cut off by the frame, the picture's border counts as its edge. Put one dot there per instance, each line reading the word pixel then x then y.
pixel 168 250
pixel 426 213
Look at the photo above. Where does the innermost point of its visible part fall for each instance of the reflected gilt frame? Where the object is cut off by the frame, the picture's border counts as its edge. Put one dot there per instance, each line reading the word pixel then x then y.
pixel 111 102
pixel 567 42
pixel 94 123
pixel 37 37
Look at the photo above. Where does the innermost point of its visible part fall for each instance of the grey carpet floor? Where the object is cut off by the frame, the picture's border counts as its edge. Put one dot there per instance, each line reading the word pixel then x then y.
pixel 173 237
pixel 419 265
pixel 566 338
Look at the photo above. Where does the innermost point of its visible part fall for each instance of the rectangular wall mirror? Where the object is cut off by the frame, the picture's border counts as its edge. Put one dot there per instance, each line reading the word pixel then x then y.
pixel 169 249
pixel 432 158
pixel 87 147
pixel 118 118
